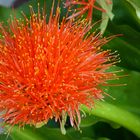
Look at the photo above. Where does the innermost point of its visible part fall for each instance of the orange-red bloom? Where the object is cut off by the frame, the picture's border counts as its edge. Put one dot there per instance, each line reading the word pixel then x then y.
pixel 47 70
pixel 85 6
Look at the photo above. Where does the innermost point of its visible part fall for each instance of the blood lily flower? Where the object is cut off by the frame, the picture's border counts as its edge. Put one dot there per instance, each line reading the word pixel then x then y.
pixel 84 6
pixel 48 70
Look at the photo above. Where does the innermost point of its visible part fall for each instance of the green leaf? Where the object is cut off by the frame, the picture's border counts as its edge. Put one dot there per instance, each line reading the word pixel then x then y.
pixel 136 5
pixel 127 23
pixel 127 45
pixel 89 120
pixel 105 15
pixel 125 14
pixel 85 132
pixel 116 114
pixel 107 7
pixel 43 133
pixel 125 110
pixel 127 97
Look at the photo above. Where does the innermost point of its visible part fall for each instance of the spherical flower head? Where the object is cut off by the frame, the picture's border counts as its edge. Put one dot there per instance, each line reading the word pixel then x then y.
pixel 48 69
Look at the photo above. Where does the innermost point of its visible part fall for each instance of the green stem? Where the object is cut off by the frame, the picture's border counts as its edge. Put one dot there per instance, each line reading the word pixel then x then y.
pixel 115 114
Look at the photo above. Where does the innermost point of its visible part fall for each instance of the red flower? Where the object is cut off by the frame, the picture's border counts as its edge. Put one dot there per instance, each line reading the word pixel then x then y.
pixel 47 70
pixel 85 6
